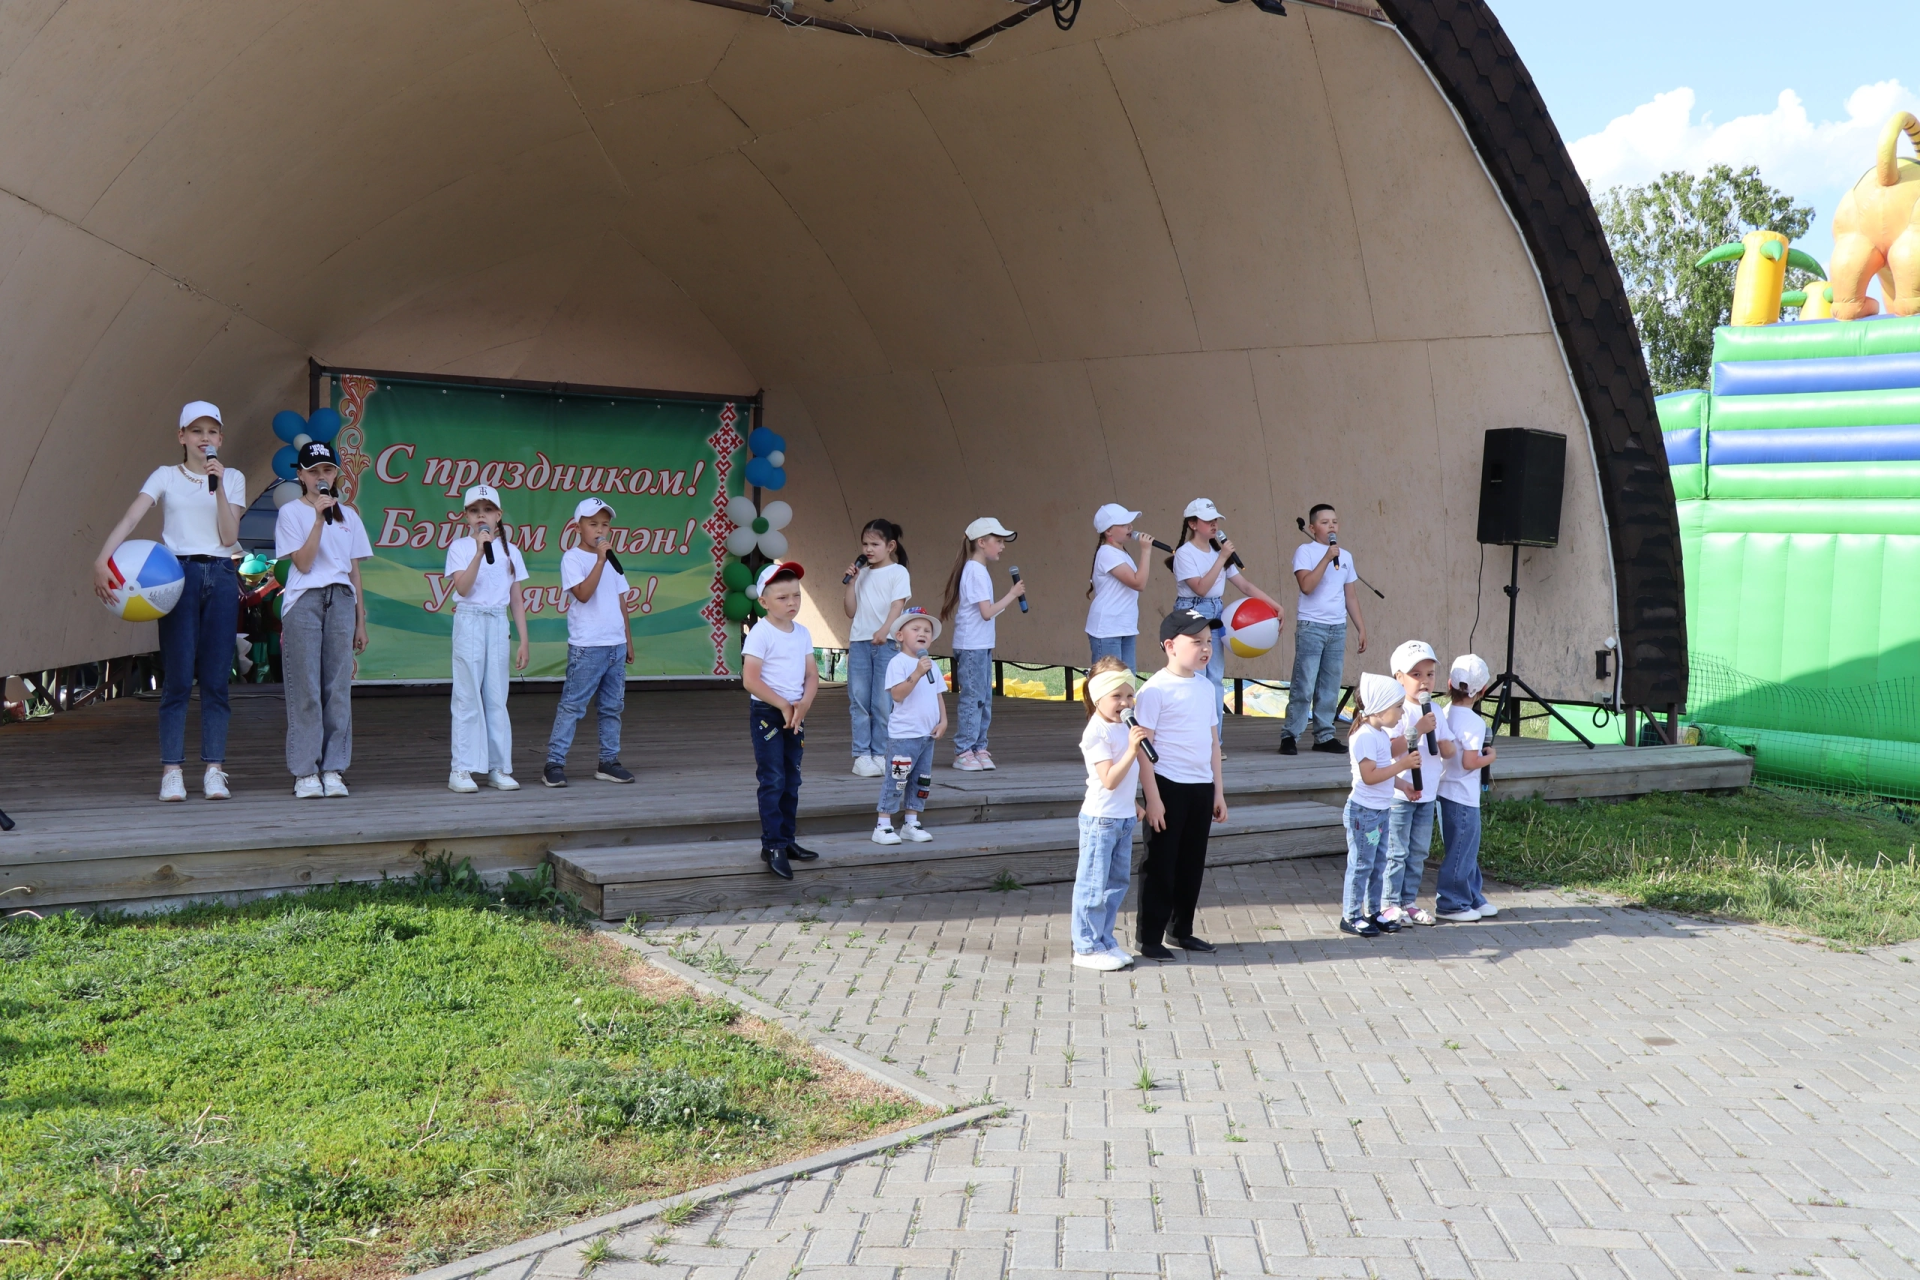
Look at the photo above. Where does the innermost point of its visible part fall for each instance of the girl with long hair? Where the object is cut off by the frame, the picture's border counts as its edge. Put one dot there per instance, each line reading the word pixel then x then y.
pixel 877 589
pixel 971 609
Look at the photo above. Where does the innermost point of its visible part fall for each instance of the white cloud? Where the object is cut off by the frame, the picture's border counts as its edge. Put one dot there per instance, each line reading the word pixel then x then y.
pixel 1794 153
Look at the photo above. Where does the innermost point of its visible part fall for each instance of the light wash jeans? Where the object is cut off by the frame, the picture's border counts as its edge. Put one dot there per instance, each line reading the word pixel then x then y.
pixel 482 736
pixel 316 658
pixel 591 669
pixel 1120 647
pixel 1213 607
pixel 1319 656
pixel 1366 860
pixel 973 712
pixel 1100 883
pixel 1409 840
pixel 1460 872
pixel 892 788
pixel 867 694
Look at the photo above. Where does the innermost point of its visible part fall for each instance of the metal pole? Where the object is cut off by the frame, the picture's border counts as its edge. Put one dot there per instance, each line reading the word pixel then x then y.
pixel 1513 617
pixel 999 678
pixel 1239 696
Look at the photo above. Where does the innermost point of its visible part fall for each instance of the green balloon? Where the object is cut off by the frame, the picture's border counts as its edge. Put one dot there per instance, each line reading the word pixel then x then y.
pixel 281 568
pixel 736 575
pixel 760 524
pixel 759 610
pixel 737 606
pixel 279 604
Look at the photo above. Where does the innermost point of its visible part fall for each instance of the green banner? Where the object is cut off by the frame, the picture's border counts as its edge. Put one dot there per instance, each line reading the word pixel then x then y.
pixel 410 448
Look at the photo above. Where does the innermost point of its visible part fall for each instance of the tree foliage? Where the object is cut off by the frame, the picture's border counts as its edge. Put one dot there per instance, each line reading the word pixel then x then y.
pixel 1658 231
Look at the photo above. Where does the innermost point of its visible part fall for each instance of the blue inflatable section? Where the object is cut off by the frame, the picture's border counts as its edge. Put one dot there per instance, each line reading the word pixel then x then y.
pixel 1683 447
pixel 1828 373
pixel 1811 444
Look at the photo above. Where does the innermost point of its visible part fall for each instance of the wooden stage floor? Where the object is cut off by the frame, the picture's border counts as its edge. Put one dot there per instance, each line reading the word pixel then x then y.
pixel 82 788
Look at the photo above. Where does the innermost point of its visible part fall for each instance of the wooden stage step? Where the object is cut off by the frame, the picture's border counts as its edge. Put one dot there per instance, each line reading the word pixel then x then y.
pixel 678 879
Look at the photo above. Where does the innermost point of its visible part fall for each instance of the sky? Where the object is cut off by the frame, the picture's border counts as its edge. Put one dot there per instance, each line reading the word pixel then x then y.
pixel 1638 87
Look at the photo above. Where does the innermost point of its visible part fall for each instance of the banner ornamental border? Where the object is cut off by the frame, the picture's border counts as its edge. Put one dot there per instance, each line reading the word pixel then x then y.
pixel 725 443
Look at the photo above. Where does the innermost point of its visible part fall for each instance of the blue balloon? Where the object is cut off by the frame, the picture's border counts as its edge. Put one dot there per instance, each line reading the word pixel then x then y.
pixel 283 463
pixel 776 478
pixel 759 471
pixel 761 442
pixel 287 424
pixel 323 425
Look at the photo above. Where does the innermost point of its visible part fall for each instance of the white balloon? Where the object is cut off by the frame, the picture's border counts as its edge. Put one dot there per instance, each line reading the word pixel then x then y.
pixel 753 591
pixel 740 509
pixel 779 515
pixel 741 540
pixel 302 439
pixel 777 458
pixel 284 492
pixel 773 544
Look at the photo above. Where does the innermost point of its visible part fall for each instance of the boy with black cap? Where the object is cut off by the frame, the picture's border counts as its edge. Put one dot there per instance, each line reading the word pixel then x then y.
pixel 1184 788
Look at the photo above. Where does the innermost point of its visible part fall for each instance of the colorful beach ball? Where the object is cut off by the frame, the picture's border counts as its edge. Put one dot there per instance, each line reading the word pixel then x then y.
pixel 147 581
pixel 1252 627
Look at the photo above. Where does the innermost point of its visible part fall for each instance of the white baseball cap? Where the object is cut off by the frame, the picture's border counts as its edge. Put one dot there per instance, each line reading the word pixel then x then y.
pixel 1378 692
pixel 1410 653
pixel 1112 514
pixel 194 410
pixel 589 507
pixel 1470 671
pixel 481 493
pixel 987 524
pixel 1201 509
pixel 766 574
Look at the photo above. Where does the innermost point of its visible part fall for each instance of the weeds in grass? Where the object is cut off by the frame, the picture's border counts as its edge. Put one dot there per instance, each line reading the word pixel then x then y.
pixel 1005 883
pixel 680 1213
pixel 598 1250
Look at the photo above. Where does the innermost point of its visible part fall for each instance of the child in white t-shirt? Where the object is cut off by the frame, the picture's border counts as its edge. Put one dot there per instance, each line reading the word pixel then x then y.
pixel 484 570
pixel 1202 567
pixel 877 589
pixel 782 680
pixel 1376 778
pixel 1115 583
pixel 914 686
pixel 1459 898
pixel 1328 597
pixel 599 645
pixel 969 605
pixel 1410 828
pixel 1108 815
pixel 1184 789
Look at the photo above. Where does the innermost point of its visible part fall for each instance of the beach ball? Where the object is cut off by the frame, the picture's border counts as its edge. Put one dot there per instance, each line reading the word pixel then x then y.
pixel 1252 627
pixel 147 581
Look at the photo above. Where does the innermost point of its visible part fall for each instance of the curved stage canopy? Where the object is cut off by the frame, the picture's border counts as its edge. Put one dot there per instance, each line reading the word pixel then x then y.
pixel 1184 248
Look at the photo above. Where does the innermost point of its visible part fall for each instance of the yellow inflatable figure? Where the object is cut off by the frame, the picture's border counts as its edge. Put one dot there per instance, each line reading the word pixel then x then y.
pixel 1757 286
pixel 1815 301
pixel 1876 231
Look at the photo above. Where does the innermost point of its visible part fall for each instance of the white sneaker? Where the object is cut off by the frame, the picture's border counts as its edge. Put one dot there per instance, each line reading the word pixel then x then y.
pixel 1103 961
pixel 917 833
pixel 334 784
pixel 462 781
pixel 1487 910
pixel 968 762
pixel 1459 917
pixel 867 767
pixel 173 785
pixel 501 781
pixel 885 835
pixel 985 760
pixel 214 785
pixel 1124 956
pixel 308 788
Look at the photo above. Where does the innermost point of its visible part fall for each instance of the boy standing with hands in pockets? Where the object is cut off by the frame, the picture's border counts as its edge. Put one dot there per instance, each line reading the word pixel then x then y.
pixel 781 680
pixel 599 646
pixel 1185 790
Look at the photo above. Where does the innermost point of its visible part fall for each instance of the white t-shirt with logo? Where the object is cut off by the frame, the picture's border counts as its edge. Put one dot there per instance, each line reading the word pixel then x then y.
pixel 1431 763
pixel 783 655
pixel 1327 602
pixel 917 714
pixel 1192 560
pixel 188 509
pixel 970 630
pixel 1461 784
pixel 1370 742
pixel 1106 740
pixel 601 619
pixel 493 585
pixel 1184 714
pixel 341 543
pixel 1115 607
pixel 874 592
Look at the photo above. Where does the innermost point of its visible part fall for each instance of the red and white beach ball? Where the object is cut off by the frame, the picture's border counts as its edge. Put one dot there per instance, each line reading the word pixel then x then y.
pixel 1253 627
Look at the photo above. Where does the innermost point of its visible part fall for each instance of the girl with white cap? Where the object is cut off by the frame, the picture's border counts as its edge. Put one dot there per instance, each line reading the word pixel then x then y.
pixel 1202 573
pixel 200 504
pixel 1376 772
pixel 969 605
pixel 1460 898
pixel 1115 584
pixel 484 569
pixel 1108 815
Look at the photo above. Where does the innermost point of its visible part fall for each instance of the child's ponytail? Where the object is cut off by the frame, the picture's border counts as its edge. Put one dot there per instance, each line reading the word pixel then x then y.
pixel 1186 535
pixel 950 603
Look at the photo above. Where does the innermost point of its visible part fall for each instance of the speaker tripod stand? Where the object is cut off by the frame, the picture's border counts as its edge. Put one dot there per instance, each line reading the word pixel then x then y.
pixel 1509 680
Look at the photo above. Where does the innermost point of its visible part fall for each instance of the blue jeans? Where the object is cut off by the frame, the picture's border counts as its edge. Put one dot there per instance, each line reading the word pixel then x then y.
pixel 919 753
pixel 196 640
pixel 867 694
pixel 776 764
pixel 1366 860
pixel 600 668
pixel 1409 840
pixel 1120 647
pixel 1460 871
pixel 1100 883
pixel 973 713
pixel 1213 607
pixel 1319 655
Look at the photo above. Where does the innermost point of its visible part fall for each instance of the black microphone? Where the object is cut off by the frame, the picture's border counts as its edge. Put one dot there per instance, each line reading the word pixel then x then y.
pixel 1233 561
pixel 488 545
pixel 1014 573
pixel 1161 545
pixel 613 561
pixel 1426 709
pixel 331 514
pixel 213 486
pixel 6 823
pixel 859 563
pixel 1126 718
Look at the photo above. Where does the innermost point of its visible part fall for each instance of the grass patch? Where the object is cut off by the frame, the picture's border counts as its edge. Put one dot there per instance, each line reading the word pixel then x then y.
pixel 1838 869
pixel 369 1078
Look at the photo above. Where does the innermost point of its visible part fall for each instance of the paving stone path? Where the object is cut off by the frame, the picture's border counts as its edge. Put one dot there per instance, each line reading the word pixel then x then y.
pixel 1573 1090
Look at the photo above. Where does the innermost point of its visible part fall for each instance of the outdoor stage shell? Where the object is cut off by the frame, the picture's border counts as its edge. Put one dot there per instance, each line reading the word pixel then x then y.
pixel 1186 248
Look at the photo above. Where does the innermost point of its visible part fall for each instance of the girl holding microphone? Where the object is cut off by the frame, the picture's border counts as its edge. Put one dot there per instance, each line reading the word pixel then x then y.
pixel 1119 575
pixel 1202 572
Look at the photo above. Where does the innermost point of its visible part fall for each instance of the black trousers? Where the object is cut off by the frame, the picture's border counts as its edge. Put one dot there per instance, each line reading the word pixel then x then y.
pixel 1176 861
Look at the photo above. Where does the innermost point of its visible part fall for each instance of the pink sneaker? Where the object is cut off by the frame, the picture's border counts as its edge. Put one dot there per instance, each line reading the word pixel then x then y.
pixel 984 760
pixel 967 762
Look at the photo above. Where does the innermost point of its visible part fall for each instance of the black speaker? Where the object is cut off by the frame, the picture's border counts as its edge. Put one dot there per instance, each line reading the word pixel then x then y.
pixel 1522 475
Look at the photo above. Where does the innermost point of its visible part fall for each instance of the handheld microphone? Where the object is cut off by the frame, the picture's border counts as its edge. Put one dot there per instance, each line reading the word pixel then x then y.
pixel 859 563
pixel 613 561
pixel 1233 561
pixel 1161 546
pixel 1426 709
pixel 1126 718
pixel 1415 772
pixel 6 823
pixel 1014 573
pixel 332 514
pixel 488 545
pixel 213 484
